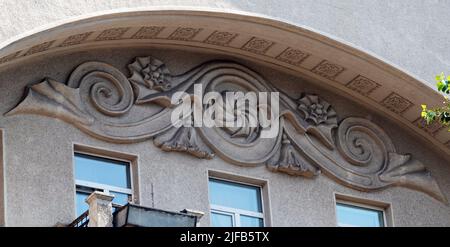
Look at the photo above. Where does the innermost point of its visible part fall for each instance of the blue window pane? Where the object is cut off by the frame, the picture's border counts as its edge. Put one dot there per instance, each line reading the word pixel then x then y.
pixel 81 204
pixel 120 198
pixel 248 221
pixel 221 220
pixel 235 195
pixel 348 215
pixel 102 171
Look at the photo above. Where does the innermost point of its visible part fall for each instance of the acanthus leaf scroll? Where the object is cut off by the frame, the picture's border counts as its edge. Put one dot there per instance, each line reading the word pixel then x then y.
pixel 103 102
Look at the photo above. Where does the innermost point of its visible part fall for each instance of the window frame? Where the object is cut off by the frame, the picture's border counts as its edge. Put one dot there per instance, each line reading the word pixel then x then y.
pixel 131 161
pixel 236 212
pixel 233 216
pixel 103 187
pixel 383 207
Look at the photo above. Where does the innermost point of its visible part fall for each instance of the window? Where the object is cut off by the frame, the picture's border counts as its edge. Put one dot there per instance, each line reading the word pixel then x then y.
pixel 235 204
pixel 101 174
pixel 357 215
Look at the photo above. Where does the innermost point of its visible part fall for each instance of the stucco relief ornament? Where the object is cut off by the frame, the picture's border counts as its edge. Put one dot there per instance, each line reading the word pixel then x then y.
pixel 103 102
pixel 246 131
pixel 184 139
pixel 150 73
pixel 318 112
pixel 290 161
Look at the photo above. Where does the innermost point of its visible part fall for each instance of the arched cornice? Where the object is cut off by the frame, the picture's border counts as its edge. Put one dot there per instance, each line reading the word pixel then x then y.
pixel 352 71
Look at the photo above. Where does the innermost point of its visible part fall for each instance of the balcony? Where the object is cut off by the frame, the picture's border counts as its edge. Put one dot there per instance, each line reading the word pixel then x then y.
pixel 103 213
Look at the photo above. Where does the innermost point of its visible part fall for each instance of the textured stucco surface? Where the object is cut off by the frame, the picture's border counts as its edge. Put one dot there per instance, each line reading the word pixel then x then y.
pixel 409 33
pixel 39 168
pixel 2 190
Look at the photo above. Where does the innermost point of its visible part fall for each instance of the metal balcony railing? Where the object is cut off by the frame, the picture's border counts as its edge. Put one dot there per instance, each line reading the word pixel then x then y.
pixel 140 216
pixel 81 221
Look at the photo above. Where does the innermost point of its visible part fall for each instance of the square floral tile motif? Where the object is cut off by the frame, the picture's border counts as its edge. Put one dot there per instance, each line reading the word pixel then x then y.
pixel 112 34
pixel 328 70
pixel 396 103
pixel 363 85
pixel 147 32
pixel 185 33
pixel 221 38
pixel 292 56
pixel 258 45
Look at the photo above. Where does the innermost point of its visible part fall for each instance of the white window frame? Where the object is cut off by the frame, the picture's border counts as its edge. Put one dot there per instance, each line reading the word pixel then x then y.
pixel 104 187
pixel 236 213
pixel 362 206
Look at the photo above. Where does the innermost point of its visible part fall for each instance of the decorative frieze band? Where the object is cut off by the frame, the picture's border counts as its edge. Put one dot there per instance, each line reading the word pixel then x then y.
pixel 290 56
pixel 98 99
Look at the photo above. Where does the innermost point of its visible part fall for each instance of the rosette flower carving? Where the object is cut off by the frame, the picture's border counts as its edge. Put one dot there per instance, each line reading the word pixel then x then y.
pixel 316 110
pixel 150 73
pixel 320 114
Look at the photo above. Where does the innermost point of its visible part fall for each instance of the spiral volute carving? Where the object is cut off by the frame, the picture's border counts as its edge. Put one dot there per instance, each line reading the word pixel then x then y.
pixel 109 91
pixel 364 145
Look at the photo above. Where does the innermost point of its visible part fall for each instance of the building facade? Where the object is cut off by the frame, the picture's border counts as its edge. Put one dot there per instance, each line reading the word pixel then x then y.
pixel 86 105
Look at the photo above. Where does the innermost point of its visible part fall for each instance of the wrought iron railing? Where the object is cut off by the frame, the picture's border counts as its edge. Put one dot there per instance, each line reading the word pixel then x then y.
pixel 81 221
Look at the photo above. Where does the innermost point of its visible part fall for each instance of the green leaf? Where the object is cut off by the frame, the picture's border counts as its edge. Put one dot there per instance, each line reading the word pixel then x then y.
pixel 440 77
pixel 445 89
pixel 439 85
pixel 442 113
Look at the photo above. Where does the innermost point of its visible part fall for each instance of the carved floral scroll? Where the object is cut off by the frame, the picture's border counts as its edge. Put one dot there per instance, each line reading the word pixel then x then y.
pixel 101 101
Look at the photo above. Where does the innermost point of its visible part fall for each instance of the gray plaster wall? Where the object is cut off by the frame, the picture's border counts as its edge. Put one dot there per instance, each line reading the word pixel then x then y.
pixel 39 172
pixel 413 34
